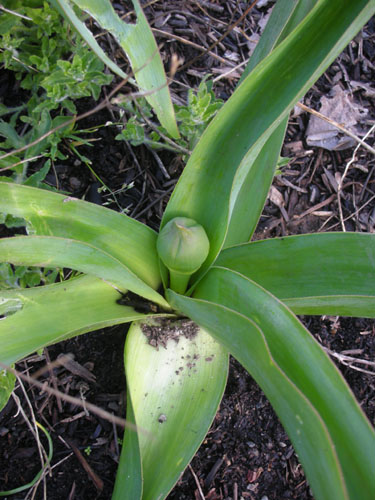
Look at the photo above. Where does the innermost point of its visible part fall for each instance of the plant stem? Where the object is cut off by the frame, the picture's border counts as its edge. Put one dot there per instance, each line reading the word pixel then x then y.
pixel 179 281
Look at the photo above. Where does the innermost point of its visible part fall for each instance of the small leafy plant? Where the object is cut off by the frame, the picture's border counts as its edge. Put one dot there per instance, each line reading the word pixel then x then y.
pixel 53 67
pixel 200 289
pixel 202 106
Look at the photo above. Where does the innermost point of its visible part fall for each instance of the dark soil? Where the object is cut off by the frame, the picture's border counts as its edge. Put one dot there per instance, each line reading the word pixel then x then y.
pixel 246 453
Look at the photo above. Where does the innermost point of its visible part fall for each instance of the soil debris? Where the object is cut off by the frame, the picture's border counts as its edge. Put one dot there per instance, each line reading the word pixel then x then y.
pixel 164 329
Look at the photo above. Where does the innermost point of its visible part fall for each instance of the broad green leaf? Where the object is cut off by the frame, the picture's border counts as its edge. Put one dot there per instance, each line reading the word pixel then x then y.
pixel 139 44
pixel 52 214
pixel 51 251
pixel 331 435
pixel 52 313
pixel 254 188
pixel 329 273
pixel 285 16
pixel 7 383
pixel 88 36
pixel 175 391
pixel 209 185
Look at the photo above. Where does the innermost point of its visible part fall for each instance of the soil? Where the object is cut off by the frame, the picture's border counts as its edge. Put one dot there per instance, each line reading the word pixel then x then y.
pixel 163 329
pixel 246 454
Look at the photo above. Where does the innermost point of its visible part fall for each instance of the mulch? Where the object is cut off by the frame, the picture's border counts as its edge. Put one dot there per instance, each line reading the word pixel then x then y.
pixel 246 454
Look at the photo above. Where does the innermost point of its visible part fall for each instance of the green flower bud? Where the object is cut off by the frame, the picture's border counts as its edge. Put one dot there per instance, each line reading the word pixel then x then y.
pixel 183 246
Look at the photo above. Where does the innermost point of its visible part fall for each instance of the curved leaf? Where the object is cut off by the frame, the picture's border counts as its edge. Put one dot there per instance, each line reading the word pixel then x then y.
pixel 175 391
pixel 285 16
pixel 50 251
pixel 52 313
pixel 139 44
pixel 253 190
pixel 254 187
pixel 52 214
pixel 329 273
pixel 207 191
pixel 331 435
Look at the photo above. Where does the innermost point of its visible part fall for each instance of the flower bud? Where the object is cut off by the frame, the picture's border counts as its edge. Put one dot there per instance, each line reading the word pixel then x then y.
pixel 183 246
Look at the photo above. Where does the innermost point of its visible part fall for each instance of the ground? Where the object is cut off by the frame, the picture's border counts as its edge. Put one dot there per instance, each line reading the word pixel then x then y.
pixel 246 453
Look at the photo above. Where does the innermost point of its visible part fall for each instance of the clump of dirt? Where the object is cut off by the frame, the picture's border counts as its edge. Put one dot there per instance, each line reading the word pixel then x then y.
pixel 164 329
pixel 138 303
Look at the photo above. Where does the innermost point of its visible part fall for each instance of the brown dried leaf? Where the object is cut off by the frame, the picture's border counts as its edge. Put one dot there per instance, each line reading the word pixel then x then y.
pixel 341 108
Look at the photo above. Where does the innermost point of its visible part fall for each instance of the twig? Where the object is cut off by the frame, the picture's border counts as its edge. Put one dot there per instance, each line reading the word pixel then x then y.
pixel 21 162
pixel 349 360
pixel 53 378
pixel 197 482
pixel 76 401
pixel 34 431
pixel 221 38
pixel 14 13
pixel 354 213
pixel 159 162
pixel 154 202
pixel 98 483
pixel 115 439
pixel 192 44
pixel 339 186
pixel 316 207
pixel 223 75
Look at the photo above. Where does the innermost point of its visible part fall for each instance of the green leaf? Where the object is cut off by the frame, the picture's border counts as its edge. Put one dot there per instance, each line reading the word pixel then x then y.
pixel 254 188
pixel 52 214
pixel 36 179
pixel 331 435
pixel 175 390
pixel 285 16
pixel 329 273
pixel 139 44
pixel 235 137
pixel 49 314
pixel 51 251
pixel 7 383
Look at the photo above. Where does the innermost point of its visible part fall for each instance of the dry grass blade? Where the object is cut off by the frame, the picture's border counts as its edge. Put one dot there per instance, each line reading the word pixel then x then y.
pixel 339 187
pixel 351 361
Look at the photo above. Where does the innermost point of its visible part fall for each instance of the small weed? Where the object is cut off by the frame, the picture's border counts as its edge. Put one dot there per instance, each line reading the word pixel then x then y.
pixel 53 67
pixel 88 450
pixel 202 106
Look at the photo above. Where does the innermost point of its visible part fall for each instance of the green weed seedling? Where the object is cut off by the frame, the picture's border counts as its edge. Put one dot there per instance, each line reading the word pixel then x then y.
pixel 193 119
pixel 188 311
pixel 53 67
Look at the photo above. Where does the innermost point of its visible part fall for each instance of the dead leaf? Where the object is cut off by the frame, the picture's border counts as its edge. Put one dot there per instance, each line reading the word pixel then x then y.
pixel 368 90
pixel 341 108
pixel 276 197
